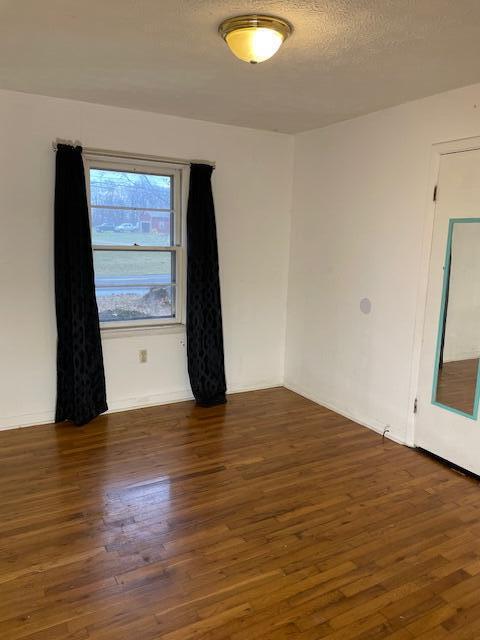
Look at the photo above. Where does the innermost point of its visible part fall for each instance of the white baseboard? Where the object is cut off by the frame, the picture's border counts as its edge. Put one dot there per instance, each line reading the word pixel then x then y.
pixel 139 402
pixel 128 404
pixel 182 395
pixel 26 420
pixel 265 384
pixel 370 424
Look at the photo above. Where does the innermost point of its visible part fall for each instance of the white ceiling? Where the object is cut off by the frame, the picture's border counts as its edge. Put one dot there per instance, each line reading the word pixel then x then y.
pixel 345 58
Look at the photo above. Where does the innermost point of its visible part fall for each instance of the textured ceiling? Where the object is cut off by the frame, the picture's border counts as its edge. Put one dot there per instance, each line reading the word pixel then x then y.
pixel 345 58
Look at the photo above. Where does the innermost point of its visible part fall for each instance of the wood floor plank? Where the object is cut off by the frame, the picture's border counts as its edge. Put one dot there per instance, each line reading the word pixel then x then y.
pixel 270 517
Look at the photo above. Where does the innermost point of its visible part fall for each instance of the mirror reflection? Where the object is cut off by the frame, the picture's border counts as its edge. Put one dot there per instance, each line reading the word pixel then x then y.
pixel 458 351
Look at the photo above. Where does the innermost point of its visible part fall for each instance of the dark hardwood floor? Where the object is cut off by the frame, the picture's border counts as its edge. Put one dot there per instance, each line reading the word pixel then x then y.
pixel 270 517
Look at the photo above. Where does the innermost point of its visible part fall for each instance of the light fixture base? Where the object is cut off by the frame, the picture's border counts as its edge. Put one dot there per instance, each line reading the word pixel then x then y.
pixel 258 21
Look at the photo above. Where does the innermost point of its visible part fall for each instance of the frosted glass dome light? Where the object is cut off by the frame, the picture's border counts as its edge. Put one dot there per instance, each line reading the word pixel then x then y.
pixel 254 38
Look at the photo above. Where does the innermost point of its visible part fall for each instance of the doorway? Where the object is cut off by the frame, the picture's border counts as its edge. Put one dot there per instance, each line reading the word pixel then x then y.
pixel 448 390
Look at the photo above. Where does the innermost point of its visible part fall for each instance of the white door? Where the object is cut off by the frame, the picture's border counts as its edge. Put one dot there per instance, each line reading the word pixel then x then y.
pixel 447 411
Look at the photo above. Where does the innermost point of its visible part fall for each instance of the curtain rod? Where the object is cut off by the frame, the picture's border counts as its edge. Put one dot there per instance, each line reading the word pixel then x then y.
pixel 108 153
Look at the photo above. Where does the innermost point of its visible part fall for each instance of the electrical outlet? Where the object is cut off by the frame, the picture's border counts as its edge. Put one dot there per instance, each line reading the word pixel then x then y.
pixel 142 355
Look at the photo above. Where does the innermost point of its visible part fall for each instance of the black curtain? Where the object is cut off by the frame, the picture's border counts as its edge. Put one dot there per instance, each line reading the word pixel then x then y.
pixel 204 311
pixel 80 376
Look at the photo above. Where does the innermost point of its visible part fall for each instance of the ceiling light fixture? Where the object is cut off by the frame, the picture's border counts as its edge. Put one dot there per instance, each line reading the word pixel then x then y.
pixel 254 38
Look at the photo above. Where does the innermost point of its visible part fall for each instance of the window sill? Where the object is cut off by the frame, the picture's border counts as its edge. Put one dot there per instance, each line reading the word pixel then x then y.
pixel 125 332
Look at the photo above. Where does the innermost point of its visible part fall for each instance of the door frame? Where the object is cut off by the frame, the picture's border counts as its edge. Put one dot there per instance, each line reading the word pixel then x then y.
pixel 438 150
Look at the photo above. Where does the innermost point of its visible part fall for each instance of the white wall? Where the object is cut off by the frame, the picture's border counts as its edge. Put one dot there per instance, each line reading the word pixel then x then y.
pixel 252 187
pixel 360 206
pixel 360 213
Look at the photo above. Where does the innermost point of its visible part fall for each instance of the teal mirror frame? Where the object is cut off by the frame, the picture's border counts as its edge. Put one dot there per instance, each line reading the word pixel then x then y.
pixel 446 275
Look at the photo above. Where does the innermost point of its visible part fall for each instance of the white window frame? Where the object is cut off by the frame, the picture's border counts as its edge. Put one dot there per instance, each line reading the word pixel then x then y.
pixel 177 172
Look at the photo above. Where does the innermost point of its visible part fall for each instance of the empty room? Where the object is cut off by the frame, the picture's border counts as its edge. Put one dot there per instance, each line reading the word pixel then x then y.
pixel 240 320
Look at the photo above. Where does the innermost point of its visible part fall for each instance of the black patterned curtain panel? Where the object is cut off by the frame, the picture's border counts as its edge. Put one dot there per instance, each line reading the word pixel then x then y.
pixel 204 310
pixel 80 375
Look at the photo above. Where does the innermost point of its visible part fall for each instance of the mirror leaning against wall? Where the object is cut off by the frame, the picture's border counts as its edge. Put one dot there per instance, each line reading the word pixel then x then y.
pixel 456 384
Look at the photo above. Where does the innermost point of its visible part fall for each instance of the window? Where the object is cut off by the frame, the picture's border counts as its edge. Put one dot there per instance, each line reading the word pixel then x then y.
pixel 136 222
